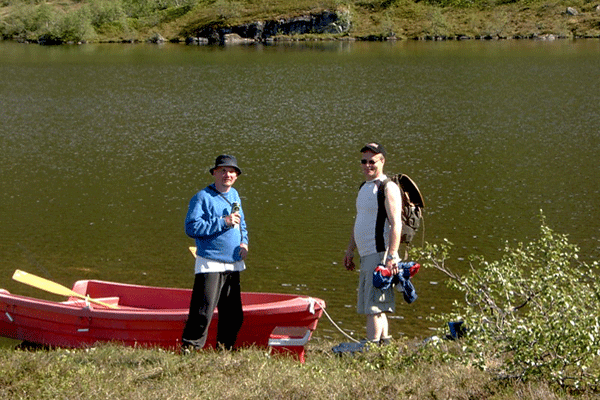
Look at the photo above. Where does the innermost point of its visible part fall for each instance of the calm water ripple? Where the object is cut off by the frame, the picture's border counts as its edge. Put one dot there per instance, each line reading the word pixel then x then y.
pixel 103 145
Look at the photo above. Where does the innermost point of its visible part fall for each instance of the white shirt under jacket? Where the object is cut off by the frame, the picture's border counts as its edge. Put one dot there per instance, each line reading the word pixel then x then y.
pixel 366 216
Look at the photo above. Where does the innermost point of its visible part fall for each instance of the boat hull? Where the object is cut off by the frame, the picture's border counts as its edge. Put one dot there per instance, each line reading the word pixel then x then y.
pixel 152 317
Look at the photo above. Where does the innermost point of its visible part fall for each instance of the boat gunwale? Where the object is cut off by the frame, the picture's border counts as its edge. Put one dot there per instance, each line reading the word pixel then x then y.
pixel 290 302
pixel 286 300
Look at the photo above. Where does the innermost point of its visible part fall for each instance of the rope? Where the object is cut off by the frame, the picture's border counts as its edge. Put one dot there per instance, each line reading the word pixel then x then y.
pixel 338 328
pixel 422 231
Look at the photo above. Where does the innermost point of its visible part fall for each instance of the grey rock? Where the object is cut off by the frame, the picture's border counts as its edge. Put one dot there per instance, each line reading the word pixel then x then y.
pixel 265 31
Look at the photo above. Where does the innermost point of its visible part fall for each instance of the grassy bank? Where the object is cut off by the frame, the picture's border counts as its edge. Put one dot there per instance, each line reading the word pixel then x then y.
pixel 382 373
pixel 532 331
pixel 175 20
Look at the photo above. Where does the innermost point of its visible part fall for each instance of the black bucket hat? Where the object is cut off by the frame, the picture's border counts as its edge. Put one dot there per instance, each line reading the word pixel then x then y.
pixel 226 161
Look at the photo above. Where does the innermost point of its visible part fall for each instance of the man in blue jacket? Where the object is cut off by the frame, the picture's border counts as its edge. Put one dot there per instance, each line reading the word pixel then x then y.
pixel 215 219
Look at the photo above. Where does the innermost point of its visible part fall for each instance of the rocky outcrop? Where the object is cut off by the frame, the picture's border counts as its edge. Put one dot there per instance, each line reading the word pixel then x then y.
pixel 339 22
pixel 264 31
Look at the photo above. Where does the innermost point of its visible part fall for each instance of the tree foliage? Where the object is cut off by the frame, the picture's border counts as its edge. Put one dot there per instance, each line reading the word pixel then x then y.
pixel 29 19
pixel 532 313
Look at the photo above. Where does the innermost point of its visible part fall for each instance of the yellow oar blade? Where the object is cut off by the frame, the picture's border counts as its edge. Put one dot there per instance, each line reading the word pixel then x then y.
pixel 53 287
pixel 41 283
pixel 193 250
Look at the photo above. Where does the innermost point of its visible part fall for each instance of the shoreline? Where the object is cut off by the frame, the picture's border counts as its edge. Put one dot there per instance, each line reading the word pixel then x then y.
pixel 193 41
pixel 404 21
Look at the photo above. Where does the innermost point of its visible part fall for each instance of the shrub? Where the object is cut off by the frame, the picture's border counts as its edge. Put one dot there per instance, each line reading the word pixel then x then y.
pixel 77 27
pixel 105 12
pixel 531 314
pixel 26 21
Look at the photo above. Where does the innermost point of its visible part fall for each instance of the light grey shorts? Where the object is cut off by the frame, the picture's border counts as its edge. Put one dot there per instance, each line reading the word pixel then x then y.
pixel 370 299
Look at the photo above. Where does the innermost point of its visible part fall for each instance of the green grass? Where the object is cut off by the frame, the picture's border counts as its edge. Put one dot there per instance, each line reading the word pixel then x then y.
pixel 129 20
pixel 114 372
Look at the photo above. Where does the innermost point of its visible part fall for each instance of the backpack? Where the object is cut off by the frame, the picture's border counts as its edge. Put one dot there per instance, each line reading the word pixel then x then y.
pixel 412 209
pixel 412 205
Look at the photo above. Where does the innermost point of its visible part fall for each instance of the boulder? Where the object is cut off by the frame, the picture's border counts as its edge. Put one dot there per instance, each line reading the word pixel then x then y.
pixel 196 40
pixel 572 11
pixel 234 38
pixel 156 38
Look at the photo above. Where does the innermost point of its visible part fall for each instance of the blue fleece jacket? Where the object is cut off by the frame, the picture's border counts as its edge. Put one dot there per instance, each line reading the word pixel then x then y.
pixel 205 223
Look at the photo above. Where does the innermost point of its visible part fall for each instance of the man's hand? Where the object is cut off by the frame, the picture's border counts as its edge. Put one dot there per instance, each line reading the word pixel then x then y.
pixel 392 266
pixel 349 261
pixel 232 219
pixel 243 251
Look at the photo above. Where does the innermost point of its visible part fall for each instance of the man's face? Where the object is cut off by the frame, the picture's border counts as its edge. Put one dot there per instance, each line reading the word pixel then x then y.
pixel 372 164
pixel 225 177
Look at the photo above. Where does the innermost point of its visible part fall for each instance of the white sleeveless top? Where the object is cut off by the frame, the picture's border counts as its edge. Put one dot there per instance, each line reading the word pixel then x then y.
pixel 366 216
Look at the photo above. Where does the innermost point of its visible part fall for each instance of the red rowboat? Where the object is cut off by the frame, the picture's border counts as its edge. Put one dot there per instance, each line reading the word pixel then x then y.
pixel 151 316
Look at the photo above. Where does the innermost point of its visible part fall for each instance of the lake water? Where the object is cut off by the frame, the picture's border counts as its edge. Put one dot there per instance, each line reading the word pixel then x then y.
pixel 103 146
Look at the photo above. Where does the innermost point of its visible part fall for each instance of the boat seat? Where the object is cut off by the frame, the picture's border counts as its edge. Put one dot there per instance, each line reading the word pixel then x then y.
pixel 77 301
pixel 290 339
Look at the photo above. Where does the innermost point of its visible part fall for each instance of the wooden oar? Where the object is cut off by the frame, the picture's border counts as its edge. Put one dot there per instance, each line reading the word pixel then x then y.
pixel 53 287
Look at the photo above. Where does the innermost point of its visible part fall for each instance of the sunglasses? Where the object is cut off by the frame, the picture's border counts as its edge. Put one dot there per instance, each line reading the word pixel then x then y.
pixel 370 162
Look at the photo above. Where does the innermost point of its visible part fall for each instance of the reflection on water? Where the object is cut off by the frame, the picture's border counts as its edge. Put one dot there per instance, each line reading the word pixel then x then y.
pixel 103 145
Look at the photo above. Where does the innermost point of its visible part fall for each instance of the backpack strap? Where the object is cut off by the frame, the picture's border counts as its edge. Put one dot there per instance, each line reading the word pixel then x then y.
pixel 381 217
pixel 214 189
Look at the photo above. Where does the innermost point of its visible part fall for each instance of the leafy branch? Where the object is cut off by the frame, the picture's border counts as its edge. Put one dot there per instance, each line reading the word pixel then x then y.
pixel 530 314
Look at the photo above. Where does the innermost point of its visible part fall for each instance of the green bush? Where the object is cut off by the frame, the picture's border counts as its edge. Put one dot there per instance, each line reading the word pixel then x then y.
pixel 77 27
pixel 531 314
pixel 26 21
pixel 104 12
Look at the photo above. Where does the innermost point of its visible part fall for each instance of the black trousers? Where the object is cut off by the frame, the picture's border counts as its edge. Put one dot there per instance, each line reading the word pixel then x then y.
pixel 216 289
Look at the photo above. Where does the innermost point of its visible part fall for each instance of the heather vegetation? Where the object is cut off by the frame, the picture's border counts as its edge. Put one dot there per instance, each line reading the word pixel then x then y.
pixel 58 21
